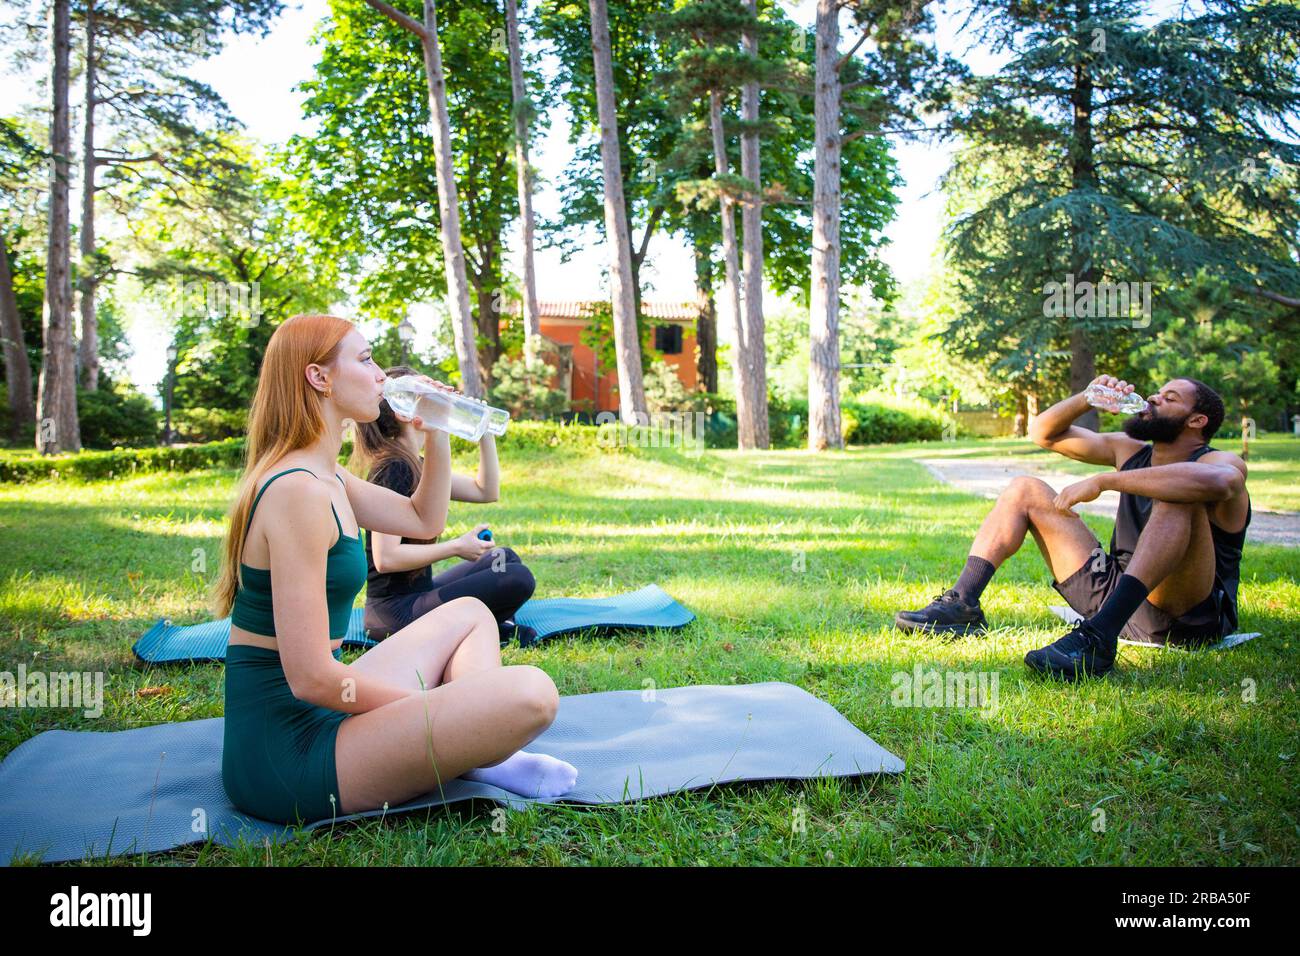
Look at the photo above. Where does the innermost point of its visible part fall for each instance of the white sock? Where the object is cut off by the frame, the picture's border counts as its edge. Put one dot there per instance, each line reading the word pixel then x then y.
pixel 529 775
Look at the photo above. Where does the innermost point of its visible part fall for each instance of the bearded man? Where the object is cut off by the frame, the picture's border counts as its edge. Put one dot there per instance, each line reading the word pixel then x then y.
pixel 1172 570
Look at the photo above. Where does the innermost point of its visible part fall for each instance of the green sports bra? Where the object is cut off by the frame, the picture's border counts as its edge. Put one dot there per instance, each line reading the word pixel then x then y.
pixel 345 573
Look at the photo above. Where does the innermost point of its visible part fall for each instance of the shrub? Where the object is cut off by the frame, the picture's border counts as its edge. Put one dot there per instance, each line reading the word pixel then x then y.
pixel 664 391
pixel 116 417
pixel 209 424
pixel 880 421
pixel 521 385
pixel 96 465
pixel 21 466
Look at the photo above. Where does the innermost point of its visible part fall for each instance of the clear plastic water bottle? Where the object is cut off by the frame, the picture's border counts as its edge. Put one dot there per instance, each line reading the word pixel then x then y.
pixel 452 412
pixel 1105 397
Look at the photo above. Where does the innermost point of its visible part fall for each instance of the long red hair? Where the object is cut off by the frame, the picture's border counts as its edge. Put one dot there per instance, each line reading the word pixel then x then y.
pixel 286 416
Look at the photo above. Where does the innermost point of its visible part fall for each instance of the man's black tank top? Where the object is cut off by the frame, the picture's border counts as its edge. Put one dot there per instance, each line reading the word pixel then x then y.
pixel 1131 518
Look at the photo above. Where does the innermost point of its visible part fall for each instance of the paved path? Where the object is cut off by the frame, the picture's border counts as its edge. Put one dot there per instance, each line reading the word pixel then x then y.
pixel 988 476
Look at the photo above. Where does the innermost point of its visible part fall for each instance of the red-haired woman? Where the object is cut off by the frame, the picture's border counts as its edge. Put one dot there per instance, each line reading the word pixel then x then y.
pixel 308 737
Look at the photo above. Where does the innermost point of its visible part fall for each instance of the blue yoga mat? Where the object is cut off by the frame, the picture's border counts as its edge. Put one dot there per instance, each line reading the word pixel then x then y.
pixel 68 795
pixel 650 607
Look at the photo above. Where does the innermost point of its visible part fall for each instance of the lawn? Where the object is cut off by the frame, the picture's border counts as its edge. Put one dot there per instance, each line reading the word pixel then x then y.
pixel 794 564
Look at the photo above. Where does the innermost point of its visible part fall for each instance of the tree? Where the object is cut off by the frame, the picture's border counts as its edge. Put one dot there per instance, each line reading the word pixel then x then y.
pixel 646 127
pixel 134 56
pixel 1149 154
pixel 231 259
pixel 56 399
pixel 631 391
pixel 719 52
pixel 472 378
pixel 523 112
pixel 899 66
pixel 824 350
pixel 788 140
pixel 18 160
pixel 751 213
pixel 364 177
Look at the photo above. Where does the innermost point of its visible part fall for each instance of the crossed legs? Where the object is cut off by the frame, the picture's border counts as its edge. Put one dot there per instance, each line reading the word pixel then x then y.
pixel 469 716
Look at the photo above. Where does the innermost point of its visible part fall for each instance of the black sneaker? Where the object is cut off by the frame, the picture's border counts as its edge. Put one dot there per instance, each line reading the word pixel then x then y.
pixel 1081 653
pixel 946 614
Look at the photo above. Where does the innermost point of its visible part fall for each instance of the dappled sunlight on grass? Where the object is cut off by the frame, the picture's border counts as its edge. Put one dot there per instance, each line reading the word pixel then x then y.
pixel 794 564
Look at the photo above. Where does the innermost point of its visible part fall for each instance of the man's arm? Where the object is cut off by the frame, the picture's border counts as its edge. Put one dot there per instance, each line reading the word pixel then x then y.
pixel 1055 430
pixel 1182 482
pixel 1217 479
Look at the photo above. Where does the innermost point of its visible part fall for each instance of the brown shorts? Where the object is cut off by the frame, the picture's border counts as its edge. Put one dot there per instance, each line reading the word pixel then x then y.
pixel 1087 589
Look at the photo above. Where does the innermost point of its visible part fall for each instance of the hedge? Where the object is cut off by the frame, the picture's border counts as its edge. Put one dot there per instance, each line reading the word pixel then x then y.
pixel 229 453
pixel 860 423
pixel 96 465
pixel 788 423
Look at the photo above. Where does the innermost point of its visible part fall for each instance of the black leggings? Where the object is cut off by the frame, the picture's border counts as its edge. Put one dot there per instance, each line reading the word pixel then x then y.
pixel 503 589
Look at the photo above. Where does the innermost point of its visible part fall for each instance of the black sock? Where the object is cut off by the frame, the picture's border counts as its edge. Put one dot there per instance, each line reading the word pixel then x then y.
pixel 1115 611
pixel 974 579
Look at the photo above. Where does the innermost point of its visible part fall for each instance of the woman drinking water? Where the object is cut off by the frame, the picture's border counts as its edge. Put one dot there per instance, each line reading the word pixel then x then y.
pixel 308 737
pixel 400 584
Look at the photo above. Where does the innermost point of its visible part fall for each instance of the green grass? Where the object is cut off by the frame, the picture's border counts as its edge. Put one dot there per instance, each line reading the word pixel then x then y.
pixel 1186 771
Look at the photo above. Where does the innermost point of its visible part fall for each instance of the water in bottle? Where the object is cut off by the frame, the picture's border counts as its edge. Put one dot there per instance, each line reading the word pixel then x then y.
pixel 1102 396
pixel 451 412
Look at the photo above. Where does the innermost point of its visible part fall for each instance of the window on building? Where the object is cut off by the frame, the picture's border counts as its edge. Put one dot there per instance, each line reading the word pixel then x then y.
pixel 668 339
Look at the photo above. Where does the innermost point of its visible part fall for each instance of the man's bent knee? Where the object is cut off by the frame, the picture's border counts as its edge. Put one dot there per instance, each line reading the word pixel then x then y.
pixel 1025 489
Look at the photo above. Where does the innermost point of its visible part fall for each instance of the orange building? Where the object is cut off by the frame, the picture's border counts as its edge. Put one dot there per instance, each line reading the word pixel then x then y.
pixel 580 375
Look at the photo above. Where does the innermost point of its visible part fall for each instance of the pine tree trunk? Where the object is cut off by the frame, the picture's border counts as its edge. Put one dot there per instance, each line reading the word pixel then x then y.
pixel 532 320
pixel 18 373
pixel 731 284
pixel 706 324
pixel 86 280
pixel 486 294
pixel 627 346
pixel 1083 367
pixel 751 216
pixel 56 401
pixel 824 312
pixel 462 320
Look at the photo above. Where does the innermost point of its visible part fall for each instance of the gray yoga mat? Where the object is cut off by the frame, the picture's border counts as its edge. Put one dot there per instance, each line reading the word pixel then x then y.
pixel 67 795
pixel 1070 616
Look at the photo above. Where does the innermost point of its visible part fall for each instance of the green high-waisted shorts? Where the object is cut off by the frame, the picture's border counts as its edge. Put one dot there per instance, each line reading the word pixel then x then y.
pixel 277 761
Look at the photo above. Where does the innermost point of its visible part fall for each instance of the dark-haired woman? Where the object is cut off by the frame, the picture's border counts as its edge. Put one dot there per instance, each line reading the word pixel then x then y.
pixel 400 584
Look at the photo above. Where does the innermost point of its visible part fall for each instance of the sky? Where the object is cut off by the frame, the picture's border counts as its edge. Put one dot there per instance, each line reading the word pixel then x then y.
pixel 257 75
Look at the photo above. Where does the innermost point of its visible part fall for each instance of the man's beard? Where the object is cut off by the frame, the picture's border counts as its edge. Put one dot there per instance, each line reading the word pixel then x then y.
pixel 1155 428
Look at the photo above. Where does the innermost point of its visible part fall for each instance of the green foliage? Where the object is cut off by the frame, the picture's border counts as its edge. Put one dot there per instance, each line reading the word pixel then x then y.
pixel 28 436
pixel 883 419
pixel 523 436
pixel 97 465
pixel 365 180
pixel 198 424
pixel 1182 164
pixel 664 391
pixel 521 385
pixel 116 416
pixel 520 436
